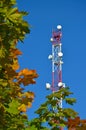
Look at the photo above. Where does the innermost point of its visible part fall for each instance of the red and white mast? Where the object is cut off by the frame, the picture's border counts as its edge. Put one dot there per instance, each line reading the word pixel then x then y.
pixel 56 58
pixel 57 62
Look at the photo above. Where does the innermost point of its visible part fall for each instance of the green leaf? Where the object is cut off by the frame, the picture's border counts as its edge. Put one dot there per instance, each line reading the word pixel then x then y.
pixel 69 113
pixel 70 101
pixel 13 107
pixel 12 10
pixel 31 128
pixel 3 82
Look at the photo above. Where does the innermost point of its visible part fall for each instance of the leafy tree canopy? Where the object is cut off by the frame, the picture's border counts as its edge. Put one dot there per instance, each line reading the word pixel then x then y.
pixel 52 117
pixel 14 101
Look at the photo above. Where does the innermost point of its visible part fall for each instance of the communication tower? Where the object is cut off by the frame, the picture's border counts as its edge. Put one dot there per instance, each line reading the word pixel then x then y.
pixel 56 58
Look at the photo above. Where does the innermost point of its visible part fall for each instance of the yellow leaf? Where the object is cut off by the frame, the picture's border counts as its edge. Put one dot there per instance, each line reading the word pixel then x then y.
pixel 29 104
pixel 29 94
pixel 22 108
pixel 15 66
pixel 19 94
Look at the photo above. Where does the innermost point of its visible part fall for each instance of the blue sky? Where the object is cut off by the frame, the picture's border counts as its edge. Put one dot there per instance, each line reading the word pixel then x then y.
pixel 43 16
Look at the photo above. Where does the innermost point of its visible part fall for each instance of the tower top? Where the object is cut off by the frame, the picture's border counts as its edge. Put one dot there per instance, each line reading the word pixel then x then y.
pixel 56 35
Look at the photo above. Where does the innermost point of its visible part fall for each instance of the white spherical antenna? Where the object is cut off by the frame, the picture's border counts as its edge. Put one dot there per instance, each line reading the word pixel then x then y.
pixel 60 84
pixel 61 62
pixel 60 54
pixel 59 27
pixel 50 57
pixel 51 39
pixel 48 86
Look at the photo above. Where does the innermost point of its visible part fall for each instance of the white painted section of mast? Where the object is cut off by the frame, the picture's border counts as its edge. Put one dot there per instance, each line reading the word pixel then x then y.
pixel 52 58
pixel 61 103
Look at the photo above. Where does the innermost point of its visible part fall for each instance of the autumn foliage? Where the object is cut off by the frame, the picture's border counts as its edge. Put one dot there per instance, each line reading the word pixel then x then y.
pixel 76 124
pixel 14 100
